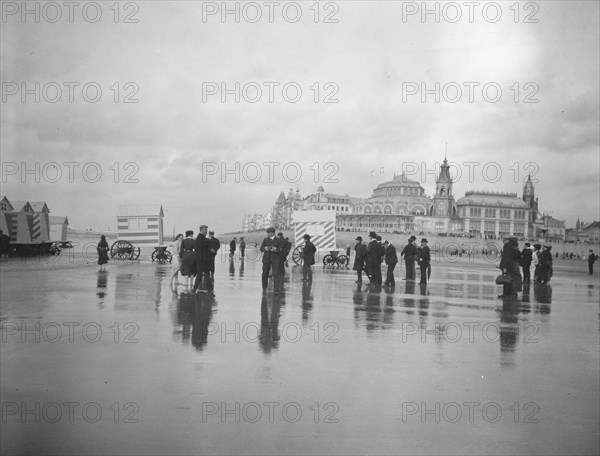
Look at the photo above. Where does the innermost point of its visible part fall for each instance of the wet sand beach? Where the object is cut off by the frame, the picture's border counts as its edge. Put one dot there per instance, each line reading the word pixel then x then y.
pixel 116 363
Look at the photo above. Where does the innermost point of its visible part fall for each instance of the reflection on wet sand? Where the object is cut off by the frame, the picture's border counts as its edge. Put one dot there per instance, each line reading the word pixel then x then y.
pixel 270 311
pixel 307 301
pixel 192 315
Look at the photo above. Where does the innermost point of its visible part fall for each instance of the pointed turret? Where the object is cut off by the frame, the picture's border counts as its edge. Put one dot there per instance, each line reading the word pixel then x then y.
pixel 443 183
pixel 529 192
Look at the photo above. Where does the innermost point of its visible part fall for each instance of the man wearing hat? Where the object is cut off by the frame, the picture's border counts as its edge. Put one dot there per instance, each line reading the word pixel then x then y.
pixel 286 246
pixel 360 250
pixel 213 248
pixel 424 259
pixel 526 259
pixel 391 259
pixel 272 253
pixel 373 260
pixel 410 254
pixel 202 249
pixel 308 258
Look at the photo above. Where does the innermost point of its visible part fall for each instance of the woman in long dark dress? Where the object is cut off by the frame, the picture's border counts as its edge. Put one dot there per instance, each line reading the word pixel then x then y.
pixel 509 263
pixel 188 259
pixel 102 250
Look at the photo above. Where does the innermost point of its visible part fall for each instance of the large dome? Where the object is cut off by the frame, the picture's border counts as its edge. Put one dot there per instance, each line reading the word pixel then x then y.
pixel 399 185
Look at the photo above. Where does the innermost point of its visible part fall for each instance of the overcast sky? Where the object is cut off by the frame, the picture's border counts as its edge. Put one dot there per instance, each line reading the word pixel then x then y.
pixel 373 58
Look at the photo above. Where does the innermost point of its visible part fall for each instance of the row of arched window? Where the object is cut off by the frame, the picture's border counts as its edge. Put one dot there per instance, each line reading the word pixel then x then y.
pixel 388 210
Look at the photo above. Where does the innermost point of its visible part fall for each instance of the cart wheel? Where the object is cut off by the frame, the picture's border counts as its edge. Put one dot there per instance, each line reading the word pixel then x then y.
pixel 120 249
pixel 328 260
pixel 297 256
pixel 342 261
pixel 165 257
pixel 154 254
pixel 135 252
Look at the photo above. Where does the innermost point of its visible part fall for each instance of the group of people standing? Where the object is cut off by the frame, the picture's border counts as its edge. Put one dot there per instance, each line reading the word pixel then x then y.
pixel 369 258
pixel 275 251
pixel 531 260
pixel 195 259
pixel 232 248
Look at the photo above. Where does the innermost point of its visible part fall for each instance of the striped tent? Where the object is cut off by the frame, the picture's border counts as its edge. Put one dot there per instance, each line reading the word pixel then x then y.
pixel 140 223
pixel 320 225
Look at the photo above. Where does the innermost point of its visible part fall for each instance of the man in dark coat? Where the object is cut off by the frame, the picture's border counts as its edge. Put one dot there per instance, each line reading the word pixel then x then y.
pixel 546 264
pixel 286 246
pixel 526 259
pixel 410 254
pixel 213 248
pixel 509 263
pixel 203 262
pixel 308 258
pixel 373 259
pixel 272 253
pixel 360 251
pixel 232 246
pixel 424 258
pixel 591 259
pixel 242 249
pixel 391 259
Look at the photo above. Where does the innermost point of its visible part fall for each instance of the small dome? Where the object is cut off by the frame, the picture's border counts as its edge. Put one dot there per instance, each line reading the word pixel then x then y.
pixel 320 189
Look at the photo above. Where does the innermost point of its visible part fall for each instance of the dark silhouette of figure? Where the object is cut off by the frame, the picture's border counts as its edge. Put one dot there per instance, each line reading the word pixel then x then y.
pixel 201 252
pixel 424 259
pixel 391 259
pixel 242 249
pixel 591 260
pixel 286 246
pixel 102 250
pixel 271 260
pixel 232 246
pixel 308 258
pixel 509 264
pixel 526 259
pixel 546 269
pixel 373 260
pixel 360 252
pixel 409 252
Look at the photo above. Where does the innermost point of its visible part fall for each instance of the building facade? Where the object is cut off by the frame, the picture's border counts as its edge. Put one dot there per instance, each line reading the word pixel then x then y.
pixel 401 205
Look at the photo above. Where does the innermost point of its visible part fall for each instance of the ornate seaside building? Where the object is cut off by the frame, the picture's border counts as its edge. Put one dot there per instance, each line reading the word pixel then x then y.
pixel 281 213
pixel 401 205
pixel 492 215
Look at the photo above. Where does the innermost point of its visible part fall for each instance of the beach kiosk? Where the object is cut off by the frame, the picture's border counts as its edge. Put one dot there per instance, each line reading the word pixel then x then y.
pixel 140 223
pixel 320 225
